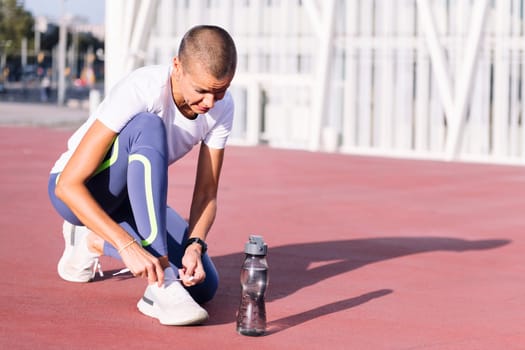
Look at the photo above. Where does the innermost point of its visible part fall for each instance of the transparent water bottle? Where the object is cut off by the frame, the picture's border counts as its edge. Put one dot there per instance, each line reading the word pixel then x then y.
pixel 251 316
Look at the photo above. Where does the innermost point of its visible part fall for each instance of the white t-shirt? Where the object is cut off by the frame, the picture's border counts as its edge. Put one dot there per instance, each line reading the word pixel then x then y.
pixel 148 89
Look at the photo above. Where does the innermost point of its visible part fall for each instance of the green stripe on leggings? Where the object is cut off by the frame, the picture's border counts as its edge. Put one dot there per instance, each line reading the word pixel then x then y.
pixel 109 162
pixel 149 197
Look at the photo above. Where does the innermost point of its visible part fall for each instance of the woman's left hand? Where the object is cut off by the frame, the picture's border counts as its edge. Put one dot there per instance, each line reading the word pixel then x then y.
pixel 192 271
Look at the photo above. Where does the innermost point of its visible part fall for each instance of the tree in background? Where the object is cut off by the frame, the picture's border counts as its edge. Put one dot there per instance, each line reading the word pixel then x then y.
pixel 15 24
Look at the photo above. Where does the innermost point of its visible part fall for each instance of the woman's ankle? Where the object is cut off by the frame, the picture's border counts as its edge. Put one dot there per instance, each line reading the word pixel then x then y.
pixel 95 243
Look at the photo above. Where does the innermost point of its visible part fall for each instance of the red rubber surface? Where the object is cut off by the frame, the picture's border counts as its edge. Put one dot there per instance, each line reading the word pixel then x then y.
pixel 364 253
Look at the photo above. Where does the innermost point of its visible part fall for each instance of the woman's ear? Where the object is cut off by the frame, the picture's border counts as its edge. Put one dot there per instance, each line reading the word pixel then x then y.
pixel 177 68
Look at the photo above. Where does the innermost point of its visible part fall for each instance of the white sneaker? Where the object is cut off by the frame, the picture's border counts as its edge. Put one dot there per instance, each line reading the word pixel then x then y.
pixel 171 304
pixel 77 264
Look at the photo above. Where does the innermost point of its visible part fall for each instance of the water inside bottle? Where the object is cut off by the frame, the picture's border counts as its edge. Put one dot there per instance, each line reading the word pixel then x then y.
pixel 251 317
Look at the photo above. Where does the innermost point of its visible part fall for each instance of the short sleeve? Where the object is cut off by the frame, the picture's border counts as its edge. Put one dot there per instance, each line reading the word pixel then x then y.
pixel 121 104
pixel 219 133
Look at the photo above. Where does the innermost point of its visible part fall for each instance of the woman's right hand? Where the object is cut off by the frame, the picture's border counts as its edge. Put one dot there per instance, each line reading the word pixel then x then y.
pixel 142 264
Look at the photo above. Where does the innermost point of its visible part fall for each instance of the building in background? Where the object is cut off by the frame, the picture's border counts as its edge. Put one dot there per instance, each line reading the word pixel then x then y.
pixel 82 65
pixel 41 54
pixel 412 78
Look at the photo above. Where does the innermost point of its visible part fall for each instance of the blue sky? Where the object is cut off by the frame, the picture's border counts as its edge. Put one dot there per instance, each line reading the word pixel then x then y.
pixel 93 10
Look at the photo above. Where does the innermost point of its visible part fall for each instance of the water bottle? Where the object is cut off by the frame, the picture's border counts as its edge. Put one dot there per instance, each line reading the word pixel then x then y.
pixel 251 316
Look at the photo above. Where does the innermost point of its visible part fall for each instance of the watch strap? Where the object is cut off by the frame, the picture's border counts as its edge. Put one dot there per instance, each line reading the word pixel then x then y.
pixel 197 240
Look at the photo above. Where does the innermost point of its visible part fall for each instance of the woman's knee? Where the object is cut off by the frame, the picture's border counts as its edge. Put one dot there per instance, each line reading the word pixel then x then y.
pixel 147 120
pixel 146 130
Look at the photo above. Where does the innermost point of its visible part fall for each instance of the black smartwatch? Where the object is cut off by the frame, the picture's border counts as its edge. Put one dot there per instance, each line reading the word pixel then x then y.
pixel 197 240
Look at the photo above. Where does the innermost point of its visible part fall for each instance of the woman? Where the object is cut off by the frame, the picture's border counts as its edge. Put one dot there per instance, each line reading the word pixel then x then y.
pixel 111 184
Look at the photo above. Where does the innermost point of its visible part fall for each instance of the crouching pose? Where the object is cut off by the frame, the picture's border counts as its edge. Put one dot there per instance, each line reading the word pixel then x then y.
pixel 110 186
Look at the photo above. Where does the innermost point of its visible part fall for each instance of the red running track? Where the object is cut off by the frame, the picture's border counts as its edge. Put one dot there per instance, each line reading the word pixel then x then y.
pixel 364 253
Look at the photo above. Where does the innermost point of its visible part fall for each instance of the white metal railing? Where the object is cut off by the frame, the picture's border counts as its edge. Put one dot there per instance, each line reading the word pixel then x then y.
pixel 426 78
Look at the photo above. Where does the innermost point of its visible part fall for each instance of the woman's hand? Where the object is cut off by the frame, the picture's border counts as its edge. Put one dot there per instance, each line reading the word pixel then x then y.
pixel 192 271
pixel 142 264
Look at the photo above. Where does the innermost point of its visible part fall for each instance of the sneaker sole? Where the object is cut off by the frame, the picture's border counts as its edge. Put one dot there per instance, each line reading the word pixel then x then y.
pixel 65 276
pixel 69 278
pixel 149 310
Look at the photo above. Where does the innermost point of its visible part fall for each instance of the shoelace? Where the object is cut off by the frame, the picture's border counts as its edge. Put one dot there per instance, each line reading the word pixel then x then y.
pixel 97 268
pixel 126 270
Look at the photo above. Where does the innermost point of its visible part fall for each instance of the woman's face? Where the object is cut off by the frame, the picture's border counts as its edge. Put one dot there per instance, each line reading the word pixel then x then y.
pixel 196 90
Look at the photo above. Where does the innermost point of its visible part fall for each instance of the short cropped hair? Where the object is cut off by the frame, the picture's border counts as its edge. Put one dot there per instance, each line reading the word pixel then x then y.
pixel 212 47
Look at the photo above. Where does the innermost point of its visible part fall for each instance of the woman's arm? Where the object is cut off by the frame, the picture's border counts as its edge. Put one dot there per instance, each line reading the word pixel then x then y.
pixel 203 210
pixel 71 189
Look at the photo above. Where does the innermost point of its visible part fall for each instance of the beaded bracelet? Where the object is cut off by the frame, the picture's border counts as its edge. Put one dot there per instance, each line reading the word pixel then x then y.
pixel 127 245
